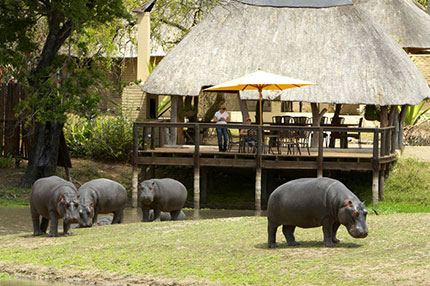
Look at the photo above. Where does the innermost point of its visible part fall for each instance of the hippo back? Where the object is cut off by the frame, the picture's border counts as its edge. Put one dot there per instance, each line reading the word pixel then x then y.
pixel 304 202
pixel 105 194
pixel 169 194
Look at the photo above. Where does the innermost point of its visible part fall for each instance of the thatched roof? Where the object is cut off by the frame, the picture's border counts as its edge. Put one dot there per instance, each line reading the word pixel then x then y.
pixel 403 19
pixel 351 60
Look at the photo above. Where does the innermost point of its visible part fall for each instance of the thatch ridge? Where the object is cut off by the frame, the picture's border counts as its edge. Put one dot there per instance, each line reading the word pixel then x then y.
pixel 352 60
pixel 402 19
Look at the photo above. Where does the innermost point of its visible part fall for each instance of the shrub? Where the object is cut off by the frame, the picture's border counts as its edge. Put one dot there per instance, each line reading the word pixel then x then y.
pixel 105 138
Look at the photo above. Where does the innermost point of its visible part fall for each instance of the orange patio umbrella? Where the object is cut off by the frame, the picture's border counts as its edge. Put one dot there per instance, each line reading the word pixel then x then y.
pixel 260 81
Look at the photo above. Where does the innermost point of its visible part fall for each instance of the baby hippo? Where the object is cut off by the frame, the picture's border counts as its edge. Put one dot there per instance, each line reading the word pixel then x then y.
pixel 53 198
pixel 165 195
pixel 311 203
pixel 101 196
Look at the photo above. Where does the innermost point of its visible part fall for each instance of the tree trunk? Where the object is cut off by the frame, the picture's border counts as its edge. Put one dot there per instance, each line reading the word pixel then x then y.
pixel 243 108
pixel 44 154
pixel 316 121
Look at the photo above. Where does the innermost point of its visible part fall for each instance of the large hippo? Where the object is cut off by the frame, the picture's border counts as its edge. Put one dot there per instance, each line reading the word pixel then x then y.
pixel 311 203
pixel 101 196
pixel 165 195
pixel 53 198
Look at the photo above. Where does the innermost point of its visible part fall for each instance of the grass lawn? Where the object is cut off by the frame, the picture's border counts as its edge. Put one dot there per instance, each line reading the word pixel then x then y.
pixel 227 252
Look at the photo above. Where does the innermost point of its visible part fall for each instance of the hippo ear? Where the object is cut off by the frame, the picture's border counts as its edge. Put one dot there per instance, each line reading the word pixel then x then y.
pixel 90 205
pixel 152 185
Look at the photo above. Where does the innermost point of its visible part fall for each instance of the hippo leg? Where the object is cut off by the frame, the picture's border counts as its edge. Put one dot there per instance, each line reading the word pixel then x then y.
pixel 118 216
pixel 174 214
pixel 328 232
pixel 145 215
pixel 53 228
pixel 66 228
pixel 334 231
pixel 288 231
pixel 36 226
pixel 271 231
pixel 96 213
pixel 44 225
pixel 157 213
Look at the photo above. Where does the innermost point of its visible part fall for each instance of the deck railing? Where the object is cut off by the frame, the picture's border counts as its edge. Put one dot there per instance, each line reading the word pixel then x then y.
pixel 147 137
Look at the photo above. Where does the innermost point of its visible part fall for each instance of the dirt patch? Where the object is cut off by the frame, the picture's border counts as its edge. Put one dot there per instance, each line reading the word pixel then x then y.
pixel 421 153
pixel 86 277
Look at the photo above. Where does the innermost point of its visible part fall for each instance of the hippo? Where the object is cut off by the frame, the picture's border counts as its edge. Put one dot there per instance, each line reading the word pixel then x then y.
pixel 167 195
pixel 101 196
pixel 315 202
pixel 53 198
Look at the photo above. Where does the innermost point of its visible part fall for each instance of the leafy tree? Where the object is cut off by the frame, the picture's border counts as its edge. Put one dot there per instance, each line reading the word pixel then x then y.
pixel 52 47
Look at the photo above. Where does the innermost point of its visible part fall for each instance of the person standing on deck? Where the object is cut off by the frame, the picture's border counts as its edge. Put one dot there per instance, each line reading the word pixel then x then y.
pixel 221 117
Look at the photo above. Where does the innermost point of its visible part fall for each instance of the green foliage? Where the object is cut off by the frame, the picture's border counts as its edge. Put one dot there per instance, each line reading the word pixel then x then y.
pixel 6 162
pixel 409 182
pixel 415 113
pixel 63 72
pixel 105 138
pixel 423 2
pixel 171 20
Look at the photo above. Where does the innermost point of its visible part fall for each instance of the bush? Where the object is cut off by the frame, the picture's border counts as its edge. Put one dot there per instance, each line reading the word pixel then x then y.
pixel 105 138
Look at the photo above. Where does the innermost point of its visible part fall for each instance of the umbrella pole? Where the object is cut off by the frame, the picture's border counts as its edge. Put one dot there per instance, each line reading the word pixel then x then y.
pixel 261 107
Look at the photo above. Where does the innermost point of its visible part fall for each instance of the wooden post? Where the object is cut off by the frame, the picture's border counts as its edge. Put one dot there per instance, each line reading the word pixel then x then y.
pixel 258 169
pixel 196 167
pixel 395 138
pixel 381 184
pixel 384 123
pixel 258 189
pixel 375 166
pixel 173 118
pixel 134 182
pixel 134 176
pixel 402 118
pixel 320 157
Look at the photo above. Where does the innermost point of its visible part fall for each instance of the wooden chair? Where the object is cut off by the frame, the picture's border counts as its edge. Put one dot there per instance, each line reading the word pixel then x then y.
pixel 277 119
pixel 357 135
pixel 288 140
pixel 286 119
pixel 336 135
pixel 302 135
pixel 232 142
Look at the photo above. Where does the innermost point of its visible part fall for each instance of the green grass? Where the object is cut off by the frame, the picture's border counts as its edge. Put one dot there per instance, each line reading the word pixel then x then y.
pixel 14 197
pixel 234 252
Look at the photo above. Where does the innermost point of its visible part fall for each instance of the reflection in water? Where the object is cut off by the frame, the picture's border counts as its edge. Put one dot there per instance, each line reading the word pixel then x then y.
pixel 16 220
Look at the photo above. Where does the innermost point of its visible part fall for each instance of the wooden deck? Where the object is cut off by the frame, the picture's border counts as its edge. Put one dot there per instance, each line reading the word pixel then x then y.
pixel 150 149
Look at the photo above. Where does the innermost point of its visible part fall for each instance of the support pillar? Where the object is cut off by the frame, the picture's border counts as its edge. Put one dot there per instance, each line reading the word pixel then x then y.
pixel 196 187
pixel 258 189
pixel 375 188
pixel 134 182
